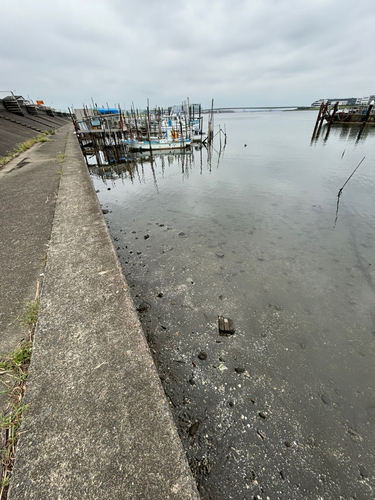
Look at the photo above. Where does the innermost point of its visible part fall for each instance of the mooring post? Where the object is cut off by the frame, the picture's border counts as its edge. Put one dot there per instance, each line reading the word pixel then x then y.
pixel 148 126
pixel 334 111
pixel 318 117
pixel 368 112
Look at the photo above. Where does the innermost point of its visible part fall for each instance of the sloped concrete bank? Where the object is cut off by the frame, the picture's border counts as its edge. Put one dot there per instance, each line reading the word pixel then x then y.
pixel 15 128
pixel 98 424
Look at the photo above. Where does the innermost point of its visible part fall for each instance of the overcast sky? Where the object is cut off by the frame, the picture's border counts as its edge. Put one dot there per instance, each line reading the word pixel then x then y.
pixel 239 52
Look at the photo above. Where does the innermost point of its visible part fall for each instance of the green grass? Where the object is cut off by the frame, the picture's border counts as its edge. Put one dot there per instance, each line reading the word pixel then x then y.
pixel 9 425
pixel 30 314
pixel 15 364
pixel 24 146
pixel 15 367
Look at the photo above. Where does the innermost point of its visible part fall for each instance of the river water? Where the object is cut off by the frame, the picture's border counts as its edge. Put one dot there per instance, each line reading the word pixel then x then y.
pixel 284 407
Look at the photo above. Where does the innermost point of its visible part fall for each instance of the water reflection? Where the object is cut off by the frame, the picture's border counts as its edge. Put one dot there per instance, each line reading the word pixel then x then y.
pixel 133 166
pixel 344 133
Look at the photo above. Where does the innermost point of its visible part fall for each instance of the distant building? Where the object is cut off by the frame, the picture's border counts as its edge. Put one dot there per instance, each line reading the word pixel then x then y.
pixel 346 101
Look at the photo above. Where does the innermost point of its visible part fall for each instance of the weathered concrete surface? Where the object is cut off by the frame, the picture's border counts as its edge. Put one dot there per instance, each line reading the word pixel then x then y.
pixel 28 189
pixel 15 129
pixel 98 424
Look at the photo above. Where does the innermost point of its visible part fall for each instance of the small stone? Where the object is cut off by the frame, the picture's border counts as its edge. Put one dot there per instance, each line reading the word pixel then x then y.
pixel 363 472
pixel 239 369
pixel 221 359
pixel 146 236
pixel 262 415
pixel 287 444
pixel 231 404
pixel 225 326
pixel 143 307
pixel 193 428
pixel 181 234
pixel 202 355
pixel 161 225
pixel 108 189
pixel 325 399
pixel 160 295
pixel 219 254
pixel 105 211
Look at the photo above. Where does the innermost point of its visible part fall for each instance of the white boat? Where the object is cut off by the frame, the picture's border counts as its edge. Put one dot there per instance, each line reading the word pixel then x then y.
pixel 158 144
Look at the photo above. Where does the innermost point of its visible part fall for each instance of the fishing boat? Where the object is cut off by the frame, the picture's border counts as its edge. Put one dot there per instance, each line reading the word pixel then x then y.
pixel 157 144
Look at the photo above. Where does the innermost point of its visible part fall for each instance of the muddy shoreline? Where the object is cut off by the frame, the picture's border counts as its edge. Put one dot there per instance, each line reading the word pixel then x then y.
pixel 243 428
pixel 285 407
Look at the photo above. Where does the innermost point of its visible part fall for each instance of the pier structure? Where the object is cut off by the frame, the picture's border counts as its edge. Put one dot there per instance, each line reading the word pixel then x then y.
pixel 108 134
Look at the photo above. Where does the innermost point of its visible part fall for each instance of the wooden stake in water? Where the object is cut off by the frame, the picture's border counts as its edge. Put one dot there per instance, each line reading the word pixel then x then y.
pixel 340 190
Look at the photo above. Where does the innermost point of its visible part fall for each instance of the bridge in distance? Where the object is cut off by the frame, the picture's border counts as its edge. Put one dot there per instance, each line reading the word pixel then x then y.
pixel 243 108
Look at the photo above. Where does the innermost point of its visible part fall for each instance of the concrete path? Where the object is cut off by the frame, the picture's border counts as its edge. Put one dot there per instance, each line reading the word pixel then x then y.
pixel 98 424
pixel 28 193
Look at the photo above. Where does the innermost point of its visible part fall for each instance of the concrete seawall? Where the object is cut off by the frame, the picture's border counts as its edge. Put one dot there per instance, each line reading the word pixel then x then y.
pixel 16 128
pixel 98 424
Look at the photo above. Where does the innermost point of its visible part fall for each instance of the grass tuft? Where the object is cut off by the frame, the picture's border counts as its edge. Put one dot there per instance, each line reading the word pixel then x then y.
pixel 15 364
pixel 24 146
pixel 29 316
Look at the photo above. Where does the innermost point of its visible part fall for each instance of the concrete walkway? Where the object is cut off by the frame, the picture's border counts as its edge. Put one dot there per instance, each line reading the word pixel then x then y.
pixel 98 424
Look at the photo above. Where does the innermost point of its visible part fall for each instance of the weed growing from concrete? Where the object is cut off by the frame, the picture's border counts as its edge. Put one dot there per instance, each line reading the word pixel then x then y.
pixel 30 314
pixel 15 368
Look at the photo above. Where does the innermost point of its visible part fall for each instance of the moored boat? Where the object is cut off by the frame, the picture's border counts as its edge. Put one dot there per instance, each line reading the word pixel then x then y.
pixel 157 144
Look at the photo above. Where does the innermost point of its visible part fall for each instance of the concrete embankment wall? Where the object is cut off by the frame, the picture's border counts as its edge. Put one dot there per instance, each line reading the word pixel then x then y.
pixel 98 423
pixel 15 128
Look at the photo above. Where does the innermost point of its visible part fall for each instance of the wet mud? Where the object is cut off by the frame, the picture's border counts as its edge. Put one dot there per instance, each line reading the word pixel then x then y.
pixel 255 418
pixel 283 405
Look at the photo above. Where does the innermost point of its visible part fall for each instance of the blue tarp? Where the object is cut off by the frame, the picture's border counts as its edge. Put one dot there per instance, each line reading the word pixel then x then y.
pixel 108 111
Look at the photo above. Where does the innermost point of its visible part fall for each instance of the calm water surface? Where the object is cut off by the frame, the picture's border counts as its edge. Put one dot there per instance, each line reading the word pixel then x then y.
pixel 250 234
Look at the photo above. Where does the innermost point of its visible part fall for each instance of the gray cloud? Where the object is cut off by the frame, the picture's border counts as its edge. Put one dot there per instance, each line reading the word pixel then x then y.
pixel 253 52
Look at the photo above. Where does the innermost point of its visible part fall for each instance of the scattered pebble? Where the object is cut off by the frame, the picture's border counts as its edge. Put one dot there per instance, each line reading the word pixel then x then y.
pixel 202 355
pixel 239 369
pixel 325 399
pixel 225 326
pixel 193 428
